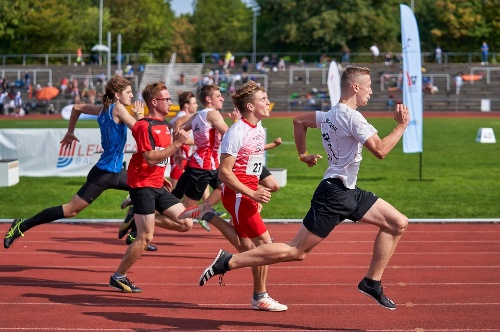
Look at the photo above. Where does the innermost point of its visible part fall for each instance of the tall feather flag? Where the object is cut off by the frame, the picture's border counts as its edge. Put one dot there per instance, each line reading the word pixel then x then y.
pixel 334 83
pixel 412 80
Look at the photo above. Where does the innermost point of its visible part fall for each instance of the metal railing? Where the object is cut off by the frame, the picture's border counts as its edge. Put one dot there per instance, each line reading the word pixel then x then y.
pixel 384 78
pixel 93 78
pixel 70 58
pixel 292 70
pixel 482 69
pixel 34 71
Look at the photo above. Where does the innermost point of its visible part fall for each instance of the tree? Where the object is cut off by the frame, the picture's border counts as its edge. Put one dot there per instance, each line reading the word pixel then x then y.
pixel 222 25
pixel 182 39
pixel 145 26
pixel 325 26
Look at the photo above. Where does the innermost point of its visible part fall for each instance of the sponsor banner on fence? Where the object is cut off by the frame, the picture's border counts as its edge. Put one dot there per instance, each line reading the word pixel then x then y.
pixel 40 153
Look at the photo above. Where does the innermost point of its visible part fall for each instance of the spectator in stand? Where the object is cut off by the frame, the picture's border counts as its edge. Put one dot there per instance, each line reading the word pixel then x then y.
pixel 18 103
pixel 227 60
pixel 266 60
pixel 244 64
pixel 282 65
pixel 5 84
pixel 261 67
pixel 375 52
pixel 323 60
pixel 27 80
pixel 458 83
pixel 346 55
pixel 79 59
pixel 484 53
pixel 439 55
pixel 388 58
pixel 64 85
pixel 3 98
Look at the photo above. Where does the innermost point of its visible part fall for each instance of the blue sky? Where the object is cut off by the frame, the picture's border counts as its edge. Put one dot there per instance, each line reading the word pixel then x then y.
pixel 184 6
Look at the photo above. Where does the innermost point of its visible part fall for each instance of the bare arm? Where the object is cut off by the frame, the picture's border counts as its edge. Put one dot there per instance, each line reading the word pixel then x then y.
pixel 217 121
pixel 185 122
pixel 154 157
pixel 77 110
pixel 380 148
pixel 226 175
pixel 273 144
pixel 300 125
pixel 121 113
pixel 180 123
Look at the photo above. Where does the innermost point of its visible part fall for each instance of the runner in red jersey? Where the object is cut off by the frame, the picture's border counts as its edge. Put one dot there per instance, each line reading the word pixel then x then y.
pixel 208 126
pixel 242 159
pixel 178 161
pixel 146 178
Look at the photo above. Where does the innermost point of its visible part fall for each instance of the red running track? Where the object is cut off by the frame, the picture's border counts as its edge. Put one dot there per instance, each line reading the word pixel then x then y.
pixel 444 277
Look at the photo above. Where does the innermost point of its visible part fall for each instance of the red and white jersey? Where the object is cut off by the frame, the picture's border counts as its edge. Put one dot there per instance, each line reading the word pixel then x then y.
pixel 207 141
pixel 246 142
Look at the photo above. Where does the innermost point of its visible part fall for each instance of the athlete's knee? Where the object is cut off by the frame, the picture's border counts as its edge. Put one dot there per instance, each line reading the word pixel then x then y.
pixel 297 254
pixel 399 225
pixel 185 225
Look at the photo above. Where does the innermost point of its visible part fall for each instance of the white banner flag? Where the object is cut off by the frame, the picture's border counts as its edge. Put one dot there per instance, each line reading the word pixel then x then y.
pixel 40 154
pixel 334 83
pixel 412 80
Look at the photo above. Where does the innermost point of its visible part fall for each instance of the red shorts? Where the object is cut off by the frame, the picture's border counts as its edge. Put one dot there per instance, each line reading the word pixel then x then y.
pixel 176 171
pixel 244 211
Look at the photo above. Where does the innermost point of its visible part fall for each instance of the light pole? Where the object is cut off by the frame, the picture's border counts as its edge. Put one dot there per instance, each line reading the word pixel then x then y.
pixel 100 30
pixel 255 11
pixel 100 22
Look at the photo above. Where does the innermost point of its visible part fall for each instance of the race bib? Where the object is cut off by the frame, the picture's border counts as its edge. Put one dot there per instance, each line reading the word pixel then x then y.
pixel 255 164
pixel 164 162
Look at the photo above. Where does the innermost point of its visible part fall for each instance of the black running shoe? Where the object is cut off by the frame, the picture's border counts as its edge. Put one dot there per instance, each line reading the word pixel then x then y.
pixel 126 202
pixel 13 233
pixel 377 294
pixel 217 267
pixel 127 223
pixel 124 285
pixel 131 238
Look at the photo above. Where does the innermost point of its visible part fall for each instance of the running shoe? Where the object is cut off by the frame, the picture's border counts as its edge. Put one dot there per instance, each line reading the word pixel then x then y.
pixel 217 267
pixel 127 223
pixel 207 217
pixel 204 224
pixel 267 303
pixel 377 294
pixel 126 202
pixel 196 212
pixel 13 233
pixel 124 285
pixel 131 238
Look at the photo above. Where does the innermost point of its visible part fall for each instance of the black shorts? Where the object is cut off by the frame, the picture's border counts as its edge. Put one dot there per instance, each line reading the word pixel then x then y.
pixel 194 181
pixel 99 180
pixel 265 173
pixel 147 200
pixel 332 203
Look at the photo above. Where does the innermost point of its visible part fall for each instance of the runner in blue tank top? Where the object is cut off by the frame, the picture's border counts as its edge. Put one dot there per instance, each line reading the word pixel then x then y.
pixel 108 172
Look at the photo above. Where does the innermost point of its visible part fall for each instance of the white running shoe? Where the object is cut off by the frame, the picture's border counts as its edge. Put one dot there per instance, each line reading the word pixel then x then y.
pixel 196 212
pixel 267 303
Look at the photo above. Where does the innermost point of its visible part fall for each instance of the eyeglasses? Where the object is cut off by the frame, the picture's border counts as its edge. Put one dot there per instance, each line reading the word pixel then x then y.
pixel 164 99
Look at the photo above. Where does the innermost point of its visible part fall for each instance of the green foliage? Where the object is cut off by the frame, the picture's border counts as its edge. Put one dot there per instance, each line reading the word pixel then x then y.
pixel 460 177
pixel 222 25
pixel 61 26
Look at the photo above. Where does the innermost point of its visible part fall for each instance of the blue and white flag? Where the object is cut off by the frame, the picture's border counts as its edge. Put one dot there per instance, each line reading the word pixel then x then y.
pixel 412 80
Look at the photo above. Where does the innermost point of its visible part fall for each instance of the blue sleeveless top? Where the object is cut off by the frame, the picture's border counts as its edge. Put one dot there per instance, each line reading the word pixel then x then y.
pixel 113 139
